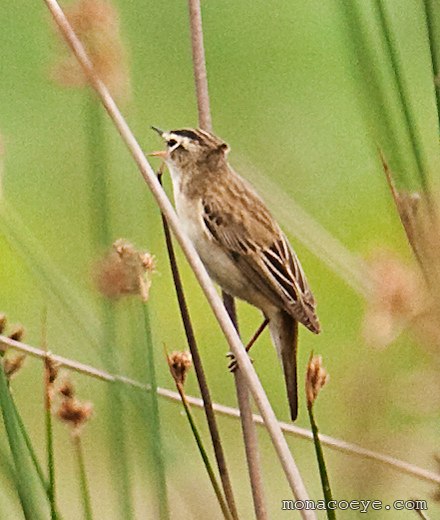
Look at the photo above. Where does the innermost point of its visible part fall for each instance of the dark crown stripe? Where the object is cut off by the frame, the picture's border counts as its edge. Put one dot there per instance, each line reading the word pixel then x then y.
pixel 188 133
pixel 201 136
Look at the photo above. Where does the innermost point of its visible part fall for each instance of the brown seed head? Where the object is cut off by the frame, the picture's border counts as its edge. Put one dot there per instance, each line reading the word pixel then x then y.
pixel 3 321
pixel 125 271
pixel 66 389
pixel 52 369
pixel 71 410
pixel 316 378
pixel 12 365
pixel 96 24
pixel 398 295
pixel 17 333
pixel 74 413
pixel 179 364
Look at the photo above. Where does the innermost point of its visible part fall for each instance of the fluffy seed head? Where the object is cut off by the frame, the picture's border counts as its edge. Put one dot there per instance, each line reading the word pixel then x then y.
pixel 74 413
pixel 13 364
pixel 52 369
pixel 17 333
pixel 316 378
pixel 398 295
pixel 96 24
pixel 3 321
pixel 179 364
pixel 66 389
pixel 125 271
pixel 71 410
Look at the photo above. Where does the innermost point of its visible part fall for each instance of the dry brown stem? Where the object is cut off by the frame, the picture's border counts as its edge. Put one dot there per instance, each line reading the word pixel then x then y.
pixel 290 429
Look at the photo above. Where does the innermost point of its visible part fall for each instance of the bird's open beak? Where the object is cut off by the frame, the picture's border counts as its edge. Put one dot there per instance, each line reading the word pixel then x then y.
pixel 158 130
pixel 161 153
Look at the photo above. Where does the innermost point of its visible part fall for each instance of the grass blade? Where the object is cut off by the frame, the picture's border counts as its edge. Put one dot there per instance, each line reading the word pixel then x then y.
pixel 85 493
pixel 30 490
pixel 156 438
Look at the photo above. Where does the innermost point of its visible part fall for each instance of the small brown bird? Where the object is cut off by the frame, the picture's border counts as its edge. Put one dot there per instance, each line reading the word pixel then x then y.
pixel 239 242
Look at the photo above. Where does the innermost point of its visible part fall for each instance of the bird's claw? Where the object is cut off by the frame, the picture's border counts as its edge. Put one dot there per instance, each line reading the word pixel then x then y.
pixel 233 365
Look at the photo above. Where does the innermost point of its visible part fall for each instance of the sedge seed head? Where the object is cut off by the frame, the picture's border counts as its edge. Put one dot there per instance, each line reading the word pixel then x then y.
pixel 13 364
pixel 316 378
pixel 70 409
pixel 125 271
pixel 179 364
pixel 96 23
pixel 52 369
pixel 66 389
pixel 74 413
pixel 17 333
pixel 3 322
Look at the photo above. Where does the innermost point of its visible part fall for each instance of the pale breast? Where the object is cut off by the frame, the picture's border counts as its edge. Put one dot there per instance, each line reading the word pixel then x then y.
pixel 221 268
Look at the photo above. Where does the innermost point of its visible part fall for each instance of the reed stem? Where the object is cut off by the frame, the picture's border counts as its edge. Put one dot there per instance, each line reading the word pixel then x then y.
pixel 82 475
pixel 156 434
pixel 339 445
pixel 224 507
pixel 331 514
pixel 200 372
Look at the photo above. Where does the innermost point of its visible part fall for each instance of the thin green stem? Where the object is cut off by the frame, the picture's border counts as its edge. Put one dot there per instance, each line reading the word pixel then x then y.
pixel 407 112
pixel 116 424
pixel 82 475
pixel 204 455
pixel 53 284
pixel 50 465
pixel 28 483
pixel 366 75
pixel 48 420
pixel 101 238
pixel 98 173
pixel 289 429
pixel 433 39
pixel 38 469
pixel 331 515
pixel 28 442
pixel 156 435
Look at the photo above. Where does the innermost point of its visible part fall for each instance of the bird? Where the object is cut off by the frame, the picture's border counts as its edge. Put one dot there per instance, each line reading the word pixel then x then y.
pixel 239 242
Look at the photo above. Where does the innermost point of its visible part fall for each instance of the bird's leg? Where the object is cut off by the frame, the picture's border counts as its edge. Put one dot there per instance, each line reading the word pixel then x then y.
pixel 257 334
pixel 233 363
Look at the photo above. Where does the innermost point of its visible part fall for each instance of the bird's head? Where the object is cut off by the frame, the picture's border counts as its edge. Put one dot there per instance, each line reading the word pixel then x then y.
pixel 189 149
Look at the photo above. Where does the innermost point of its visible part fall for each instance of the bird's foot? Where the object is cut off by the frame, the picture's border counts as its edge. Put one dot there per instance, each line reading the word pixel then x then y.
pixel 233 365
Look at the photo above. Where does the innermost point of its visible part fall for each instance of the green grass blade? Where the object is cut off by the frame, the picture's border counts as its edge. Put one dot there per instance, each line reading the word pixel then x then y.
pixel 156 436
pixel 100 216
pixel 52 282
pixel 50 464
pixel 29 446
pixel 331 514
pixel 205 458
pixel 384 22
pixel 82 475
pixel 432 17
pixel 30 490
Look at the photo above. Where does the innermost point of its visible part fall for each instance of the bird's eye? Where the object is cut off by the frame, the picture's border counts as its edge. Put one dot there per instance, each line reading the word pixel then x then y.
pixel 171 143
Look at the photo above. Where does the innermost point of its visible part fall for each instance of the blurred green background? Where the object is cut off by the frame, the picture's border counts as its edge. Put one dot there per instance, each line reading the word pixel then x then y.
pixel 289 95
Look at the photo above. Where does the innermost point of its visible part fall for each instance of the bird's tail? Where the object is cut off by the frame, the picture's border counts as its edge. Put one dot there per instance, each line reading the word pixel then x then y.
pixel 284 332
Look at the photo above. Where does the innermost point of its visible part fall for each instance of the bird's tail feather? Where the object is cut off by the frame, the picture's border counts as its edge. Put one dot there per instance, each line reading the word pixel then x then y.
pixel 284 332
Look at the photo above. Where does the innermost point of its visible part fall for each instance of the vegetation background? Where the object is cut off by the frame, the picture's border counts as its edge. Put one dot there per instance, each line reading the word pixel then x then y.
pixel 287 94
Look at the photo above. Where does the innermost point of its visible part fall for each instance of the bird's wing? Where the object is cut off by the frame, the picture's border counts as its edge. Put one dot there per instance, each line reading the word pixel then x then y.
pixel 257 245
